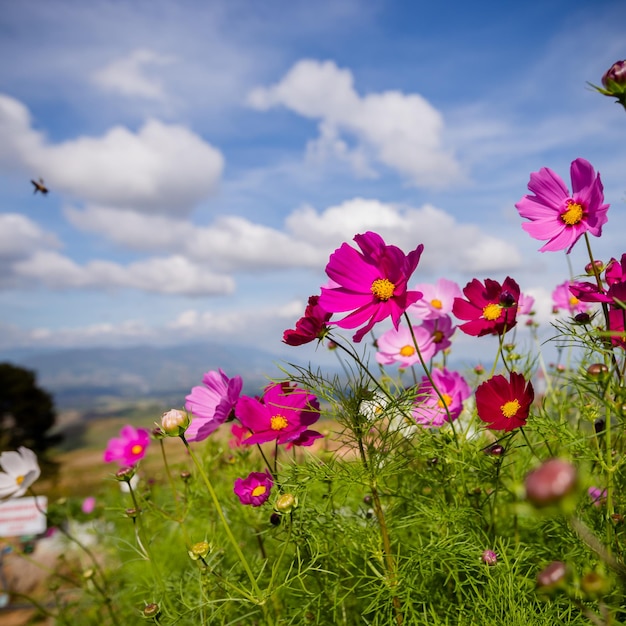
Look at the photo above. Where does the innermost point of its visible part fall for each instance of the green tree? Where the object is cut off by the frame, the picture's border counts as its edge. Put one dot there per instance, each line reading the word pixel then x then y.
pixel 26 412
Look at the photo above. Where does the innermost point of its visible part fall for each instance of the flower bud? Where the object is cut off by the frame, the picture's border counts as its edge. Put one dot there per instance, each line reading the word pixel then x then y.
pixel 496 449
pixel 125 474
pixel 88 573
pixel 597 370
pixel 151 611
pixel 275 519
pixel 489 557
pixel 614 79
pixel 174 423
pixel 286 503
pixel 552 577
pixel 507 299
pixel 550 482
pixel 199 550
pixel 185 476
pixel 582 318
pixel 132 513
pixel 599 265
pixel 595 584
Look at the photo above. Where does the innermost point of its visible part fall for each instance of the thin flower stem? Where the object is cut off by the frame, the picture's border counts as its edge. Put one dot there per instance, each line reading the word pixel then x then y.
pixel 442 400
pixel 218 507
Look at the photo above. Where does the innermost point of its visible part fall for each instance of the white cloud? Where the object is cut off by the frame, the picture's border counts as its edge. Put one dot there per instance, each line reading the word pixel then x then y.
pixel 172 275
pixel 19 236
pixel 128 75
pixel 162 168
pixel 401 131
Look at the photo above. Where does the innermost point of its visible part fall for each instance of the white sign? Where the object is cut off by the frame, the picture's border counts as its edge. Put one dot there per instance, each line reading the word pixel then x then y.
pixel 23 516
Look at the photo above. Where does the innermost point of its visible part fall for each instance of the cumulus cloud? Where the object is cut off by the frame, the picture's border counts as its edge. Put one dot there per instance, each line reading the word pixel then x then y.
pixel 129 76
pixel 402 131
pixel 173 275
pixel 235 244
pixel 161 168
pixel 20 235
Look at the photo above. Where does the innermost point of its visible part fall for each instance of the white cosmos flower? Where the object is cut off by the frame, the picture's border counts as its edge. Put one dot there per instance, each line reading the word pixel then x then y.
pixel 21 470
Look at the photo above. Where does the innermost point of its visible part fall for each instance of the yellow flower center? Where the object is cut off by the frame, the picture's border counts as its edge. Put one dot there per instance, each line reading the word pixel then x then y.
pixel 573 301
pixel 437 336
pixel 436 303
pixel 446 399
pixel 259 490
pixel 407 350
pixel 383 289
pixel 278 422
pixel 573 214
pixel 19 480
pixel 510 408
pixel 136 449
pixel 492 311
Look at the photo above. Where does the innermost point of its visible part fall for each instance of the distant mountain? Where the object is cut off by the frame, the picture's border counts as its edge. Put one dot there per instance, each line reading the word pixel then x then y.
pixel 77 377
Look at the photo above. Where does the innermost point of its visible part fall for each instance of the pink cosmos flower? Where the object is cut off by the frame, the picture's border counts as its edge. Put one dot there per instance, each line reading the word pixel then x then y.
pixel 597 495
pixel 437 299
pixel 525 304
pixel 309 327
pixel 212 404
pixel 564 298
pixel 88 505
pixel 504 404
pixel 429 410
pixel 372 283
pixel 283 415
pixel 238 433
pixel 129 448
pixel 397 346
pixel 490 308
pixel 255 489
pixel 556 215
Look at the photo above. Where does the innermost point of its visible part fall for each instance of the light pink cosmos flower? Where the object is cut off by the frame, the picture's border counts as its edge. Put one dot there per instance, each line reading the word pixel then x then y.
pixel 372 283
pixel 397 346
pixel 129 448
pixel 525 304
pixel 428 410
pixel 556 215
pixel 563 298
pixel 437 299
pixel 283 415
pixel 255 489
pixel 212 404
pixel 88 505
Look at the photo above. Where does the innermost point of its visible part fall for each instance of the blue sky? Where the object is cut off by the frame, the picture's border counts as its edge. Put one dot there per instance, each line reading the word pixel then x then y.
pixel 205 158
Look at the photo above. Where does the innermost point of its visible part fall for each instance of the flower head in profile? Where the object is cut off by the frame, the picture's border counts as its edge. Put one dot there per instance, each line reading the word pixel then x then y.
pixel 255 489
pixel 371 283
pixel 283 414
pixel 432 409
pixel 504 404
pixel 437 299
pixel 313 325
pixel 212 404
pixel 129 448
pixel 490 308
pixel 19 471
pixel 561 218
pixel 563 298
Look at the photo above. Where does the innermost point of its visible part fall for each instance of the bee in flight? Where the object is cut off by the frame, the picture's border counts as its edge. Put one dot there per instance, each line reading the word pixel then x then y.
pixel 40 186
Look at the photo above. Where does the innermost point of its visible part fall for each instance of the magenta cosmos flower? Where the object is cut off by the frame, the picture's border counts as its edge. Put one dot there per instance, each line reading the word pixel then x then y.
pixel 129 448
pixel 255 489
pixel 372 283
pixel 212 404
pixel 504 404
pixel 283 415
pixel 437 299
pixel 563 298
pixel 309 327
pixel 491 309
pixel 429 410
pixel 556 215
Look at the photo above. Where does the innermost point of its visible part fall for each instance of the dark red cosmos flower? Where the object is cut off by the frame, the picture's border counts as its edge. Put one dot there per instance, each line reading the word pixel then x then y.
pixel 504 404
pixel 490 309
pixel 311 326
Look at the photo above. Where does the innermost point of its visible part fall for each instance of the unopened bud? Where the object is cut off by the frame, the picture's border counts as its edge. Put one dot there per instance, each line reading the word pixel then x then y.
pixel 597 370
pixel 552 577
pixel 185 475
pixel 286 503
pixel 174 423
pixel 589 268
pixel 125 474
pixel 151 610
pixel 199 550
pixel 88 574
pixel 275 519
pixel 489 557
pixel 550 482
pixel 595 584
pixel 132 513
pixel 582 318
